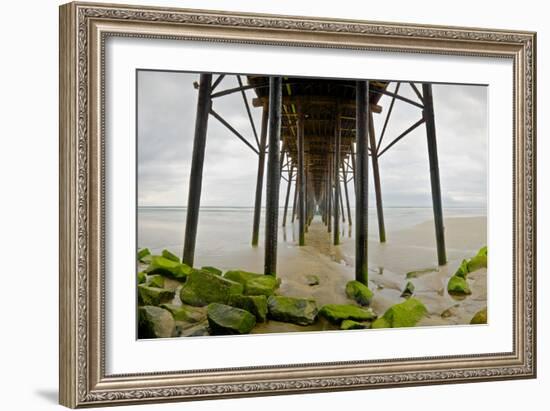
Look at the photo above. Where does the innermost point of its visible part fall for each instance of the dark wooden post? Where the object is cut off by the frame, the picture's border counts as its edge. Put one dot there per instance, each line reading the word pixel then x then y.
pixel 434 173
pixel 341 204
pixel 376 177
pixel 336 167
pixel 260 178
pixel 289 185
pixel 361 183
pixel 301 178
pixel 273 175
pixel 353 168
pixel 197 162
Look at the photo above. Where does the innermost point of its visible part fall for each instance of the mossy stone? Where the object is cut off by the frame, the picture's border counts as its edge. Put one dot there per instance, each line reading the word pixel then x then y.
pixel 336 313
pixel 141 277
pixel 200 329
pixel 212 270
pixel 154 296
pixel 462 270
pixel 482 251
pixel 477 262
pixel 264 285
pixel 480 317
pixel 408 290
pixel 359 292
pixel 458 286
pixel 185 312
pixel 241 276
pixel 169 268
pixel 203 287
pixel 405 314
pixel 155 281
pixel 254 283
pixel 142 254
pixel 299 311
pixel 224 319
pixel 170 256
pixel 353 325
pixel 255 304
pixel 155 322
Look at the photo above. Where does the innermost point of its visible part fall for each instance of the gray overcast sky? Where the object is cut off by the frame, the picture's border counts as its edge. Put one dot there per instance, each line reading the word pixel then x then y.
pixel 166 118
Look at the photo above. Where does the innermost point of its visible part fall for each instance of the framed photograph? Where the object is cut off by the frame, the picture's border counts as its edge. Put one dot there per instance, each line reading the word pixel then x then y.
pixel 259 204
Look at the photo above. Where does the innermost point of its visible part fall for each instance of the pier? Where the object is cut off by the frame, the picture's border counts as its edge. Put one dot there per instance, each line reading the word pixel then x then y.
pixel 318 137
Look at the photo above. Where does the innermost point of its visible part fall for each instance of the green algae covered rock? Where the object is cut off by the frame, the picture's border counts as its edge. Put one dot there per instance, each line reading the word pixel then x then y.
pixel 186 313
pixel 482 251
pixel 408 291
pixel 254 283
pixel 336 313
pixel 212 270
pixel 458 286
pixel 299 311
pixel 480 317
pixel 154 296
pixel 405 314
pixel 359 292
pixel 144 255
pixel 264 285
pixel 224 319
pixel 141 277
pixel 155 322
pixel 462 270
pixel 477 262
pixel 170 256
pixel 203 287
pixel 255 304
pixel 155 281
pixel 169 268
pixel 354 325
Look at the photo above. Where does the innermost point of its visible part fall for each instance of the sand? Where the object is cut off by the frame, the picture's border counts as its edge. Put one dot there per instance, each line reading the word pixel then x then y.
pixel 405 250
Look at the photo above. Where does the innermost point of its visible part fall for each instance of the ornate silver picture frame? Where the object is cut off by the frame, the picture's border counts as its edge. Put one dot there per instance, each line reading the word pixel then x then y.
pixel 84 30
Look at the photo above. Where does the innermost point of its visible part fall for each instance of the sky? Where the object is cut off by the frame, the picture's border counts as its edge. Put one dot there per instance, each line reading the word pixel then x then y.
pixel 166 118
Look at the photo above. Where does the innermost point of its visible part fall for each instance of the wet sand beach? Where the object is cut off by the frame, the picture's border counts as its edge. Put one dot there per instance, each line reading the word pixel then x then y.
pixel 408 249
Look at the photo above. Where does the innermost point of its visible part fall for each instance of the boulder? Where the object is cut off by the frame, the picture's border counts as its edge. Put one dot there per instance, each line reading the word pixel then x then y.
pixel 408 291
pixel 212 270
pixel 405 314
pixel 186 313
pixel 482 251
pixel 155 281
pixel 203 287
pixel 155 322
pixel 480 317
pixel 336 313
pixel 264 285
pixel 353 325
pixel 224 319
pixel 458 286
pixel 169 268
pixel 141 277
pixel 418 273
pixel 299 311
pixel 144 255
pixel 154 296
pixel 255 304
pixel 254 283
pixel 359 292
pixel 312 280
pixel 477 262
pixel 170 256
pixel 462 270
